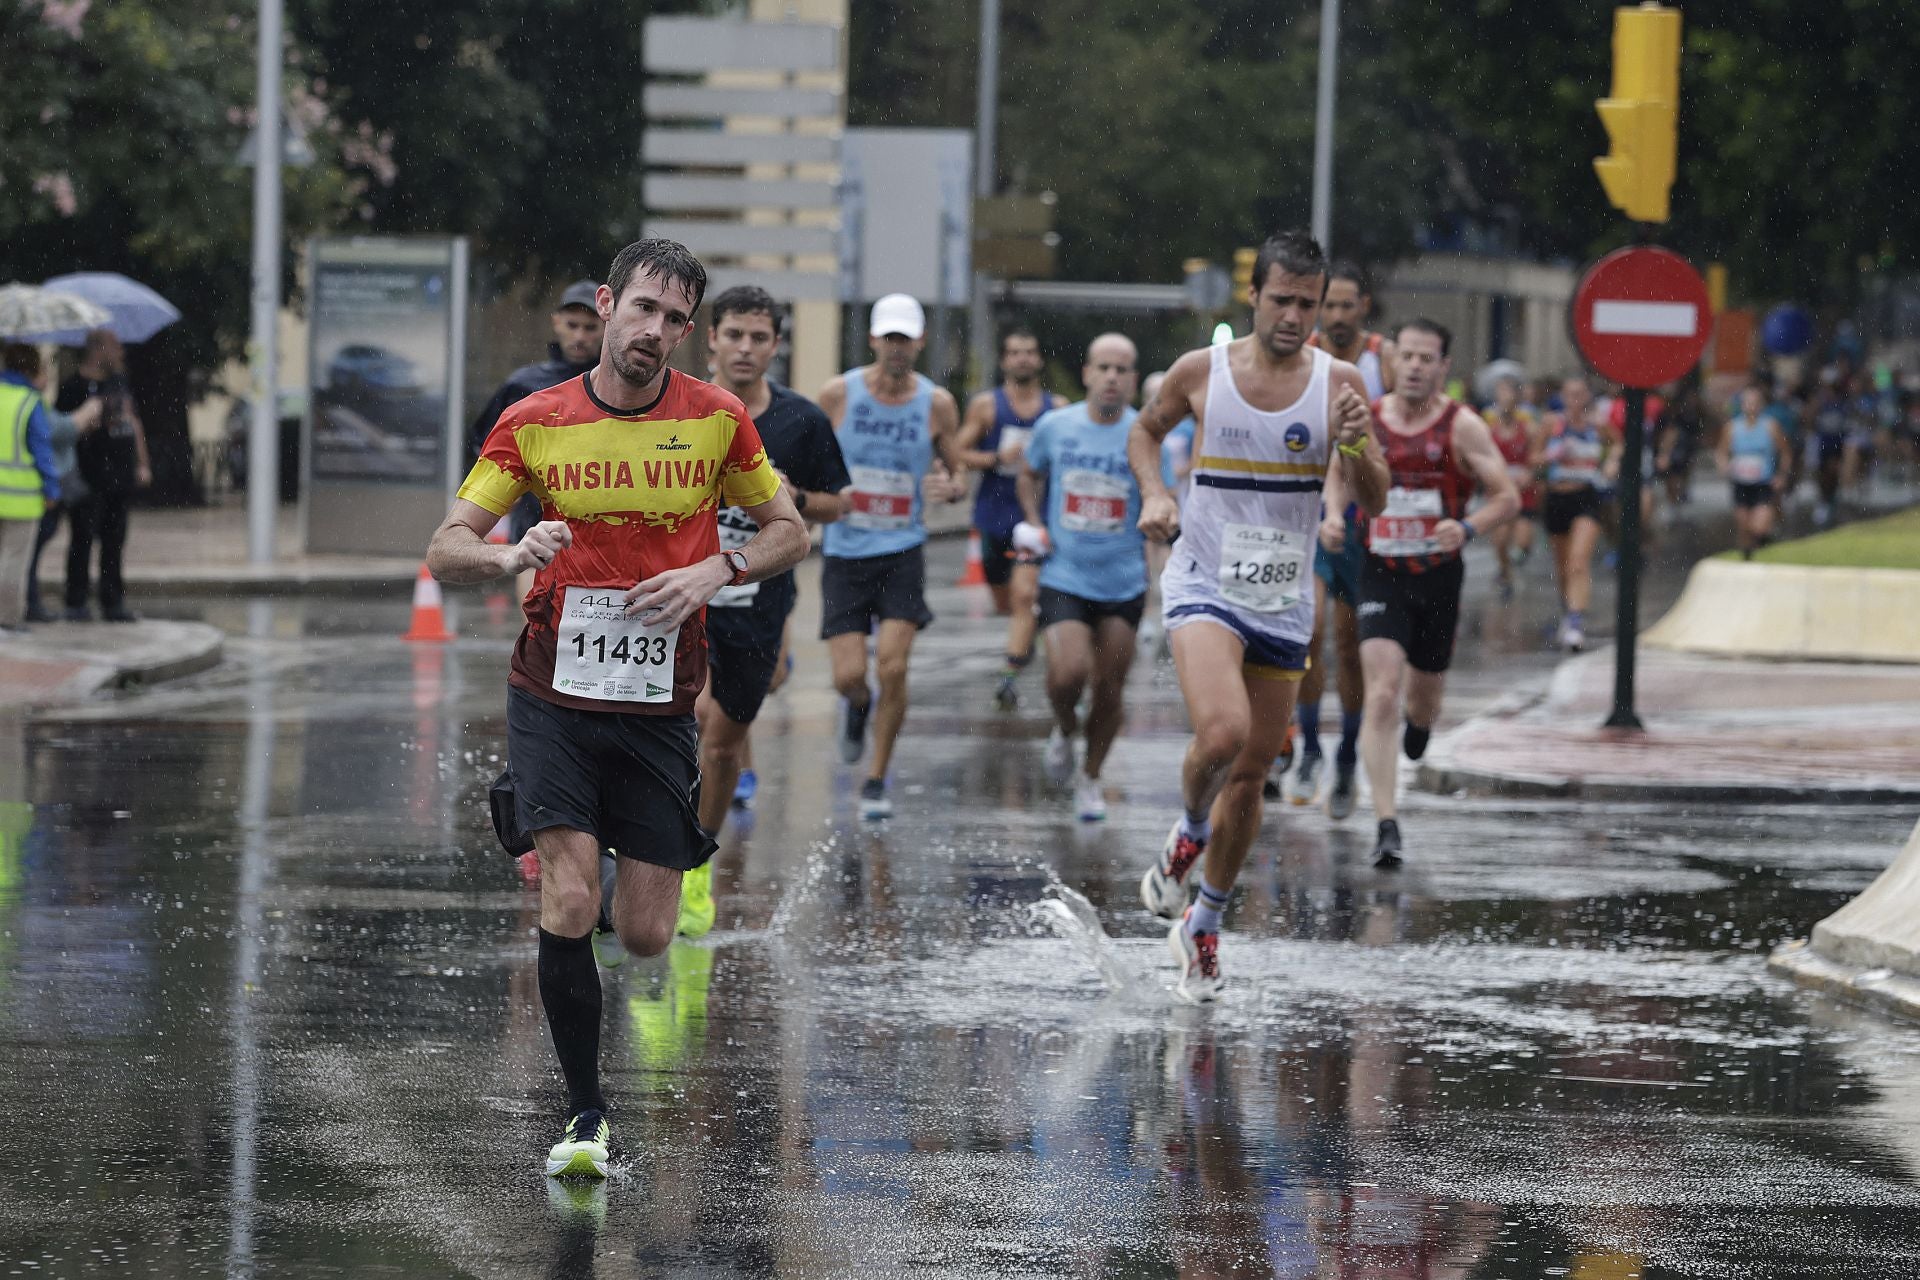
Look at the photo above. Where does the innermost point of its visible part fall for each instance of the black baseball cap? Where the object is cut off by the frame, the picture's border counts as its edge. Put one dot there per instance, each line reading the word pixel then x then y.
pixel 580 293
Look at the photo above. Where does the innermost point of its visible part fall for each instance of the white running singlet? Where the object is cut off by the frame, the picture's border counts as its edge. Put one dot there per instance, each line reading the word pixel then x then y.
pixel 1252 513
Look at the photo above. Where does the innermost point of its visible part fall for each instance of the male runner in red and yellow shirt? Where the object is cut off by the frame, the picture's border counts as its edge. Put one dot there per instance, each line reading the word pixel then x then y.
pixel 631 462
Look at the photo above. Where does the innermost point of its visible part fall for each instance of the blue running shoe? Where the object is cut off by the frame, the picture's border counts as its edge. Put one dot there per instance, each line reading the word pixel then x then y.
pixel 743 790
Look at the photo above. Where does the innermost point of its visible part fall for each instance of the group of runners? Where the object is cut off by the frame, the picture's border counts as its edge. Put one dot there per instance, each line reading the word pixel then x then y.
pixel 1327 475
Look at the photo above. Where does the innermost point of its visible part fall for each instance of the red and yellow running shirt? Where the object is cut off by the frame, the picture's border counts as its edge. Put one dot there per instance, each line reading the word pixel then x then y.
pixel 640 491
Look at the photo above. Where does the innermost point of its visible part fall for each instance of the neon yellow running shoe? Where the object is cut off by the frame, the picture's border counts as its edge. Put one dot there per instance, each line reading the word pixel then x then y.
pixel 582 1149
pixel 696 902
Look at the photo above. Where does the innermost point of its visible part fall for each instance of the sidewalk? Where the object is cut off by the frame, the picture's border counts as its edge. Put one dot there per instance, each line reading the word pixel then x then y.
pixel 1717 730
pixel 65 662
pixel 204 549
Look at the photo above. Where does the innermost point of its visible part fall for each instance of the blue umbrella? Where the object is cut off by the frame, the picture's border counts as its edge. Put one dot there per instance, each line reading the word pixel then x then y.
pixel 137 312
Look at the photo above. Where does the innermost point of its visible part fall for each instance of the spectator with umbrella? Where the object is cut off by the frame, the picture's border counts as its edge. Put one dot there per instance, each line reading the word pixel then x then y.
pixel 113 463
pixel 113 460
pixel 33 438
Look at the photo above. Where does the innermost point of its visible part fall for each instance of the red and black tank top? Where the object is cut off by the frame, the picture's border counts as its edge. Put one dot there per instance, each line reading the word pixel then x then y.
pixel 1428 487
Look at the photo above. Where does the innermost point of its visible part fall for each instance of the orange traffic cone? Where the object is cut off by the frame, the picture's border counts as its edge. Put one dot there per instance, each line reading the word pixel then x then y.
pixel 975 574
pixel 429 612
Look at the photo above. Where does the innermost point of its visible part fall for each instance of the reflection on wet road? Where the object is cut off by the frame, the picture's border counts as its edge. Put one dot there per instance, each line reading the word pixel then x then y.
pixel 268 1007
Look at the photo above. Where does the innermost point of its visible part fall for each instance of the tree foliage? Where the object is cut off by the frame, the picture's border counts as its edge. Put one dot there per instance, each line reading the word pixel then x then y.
pixel 1168 128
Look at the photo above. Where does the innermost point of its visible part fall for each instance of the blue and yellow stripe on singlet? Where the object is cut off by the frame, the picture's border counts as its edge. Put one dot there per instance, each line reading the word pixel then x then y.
pixel 1259 475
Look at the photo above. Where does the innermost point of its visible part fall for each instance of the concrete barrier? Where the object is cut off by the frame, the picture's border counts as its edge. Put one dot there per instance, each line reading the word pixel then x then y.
pixel 1753 610
pixel 1868 950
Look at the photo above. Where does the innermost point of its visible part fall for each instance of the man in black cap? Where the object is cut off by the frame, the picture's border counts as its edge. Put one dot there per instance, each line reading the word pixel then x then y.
pixel 574 350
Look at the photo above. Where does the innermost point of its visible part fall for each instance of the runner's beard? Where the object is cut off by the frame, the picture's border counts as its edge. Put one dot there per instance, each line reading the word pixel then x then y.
pixel 635 372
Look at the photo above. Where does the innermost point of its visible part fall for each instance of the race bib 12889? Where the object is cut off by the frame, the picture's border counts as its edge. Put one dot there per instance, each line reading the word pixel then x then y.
pixel 1262 569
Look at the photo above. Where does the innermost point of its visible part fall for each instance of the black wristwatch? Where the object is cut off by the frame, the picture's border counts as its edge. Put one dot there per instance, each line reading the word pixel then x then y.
pixel 800 500
pixel 738 561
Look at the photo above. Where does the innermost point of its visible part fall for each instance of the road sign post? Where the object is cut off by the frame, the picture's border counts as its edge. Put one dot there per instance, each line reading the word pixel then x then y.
pixel 1641 317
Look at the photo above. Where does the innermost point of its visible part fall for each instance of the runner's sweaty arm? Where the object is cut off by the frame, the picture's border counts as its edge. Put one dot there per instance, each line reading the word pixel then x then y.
pixel 1475 453
pixel 1182 394
pixel 1366 477
pixel 951 466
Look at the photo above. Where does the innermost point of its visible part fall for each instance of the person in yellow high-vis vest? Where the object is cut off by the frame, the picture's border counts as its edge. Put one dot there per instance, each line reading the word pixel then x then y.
pixel 29 477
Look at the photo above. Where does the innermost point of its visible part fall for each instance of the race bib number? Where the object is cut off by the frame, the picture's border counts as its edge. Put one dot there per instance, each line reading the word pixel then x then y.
pixel 604 655
pixel 1092 502
pixel 1748 469
pixel 1017 438
pixel 1263 569
pixel 736 531
pixel 1406 527
pixel 881 499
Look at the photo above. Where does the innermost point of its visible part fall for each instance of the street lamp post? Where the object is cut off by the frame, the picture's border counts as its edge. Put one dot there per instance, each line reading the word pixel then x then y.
pixel 263 431
pixel 1323 125
pixel 980 319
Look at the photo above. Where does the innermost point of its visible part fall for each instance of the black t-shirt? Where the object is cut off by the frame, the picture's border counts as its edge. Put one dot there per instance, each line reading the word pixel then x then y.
pixel 109 455
pixel 801 443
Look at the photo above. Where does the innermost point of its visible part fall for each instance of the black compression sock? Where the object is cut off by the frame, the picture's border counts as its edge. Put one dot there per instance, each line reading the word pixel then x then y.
pixel 1416 740
pixel 570 991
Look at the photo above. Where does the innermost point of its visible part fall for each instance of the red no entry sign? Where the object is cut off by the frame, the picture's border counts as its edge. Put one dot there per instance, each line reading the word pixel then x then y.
pixel 1641 317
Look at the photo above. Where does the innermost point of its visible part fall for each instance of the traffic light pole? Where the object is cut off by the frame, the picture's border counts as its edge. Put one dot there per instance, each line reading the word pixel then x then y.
pixel 1627 626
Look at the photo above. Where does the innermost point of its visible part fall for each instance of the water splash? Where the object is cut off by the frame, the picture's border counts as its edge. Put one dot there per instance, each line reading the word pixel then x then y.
pixel 1067 914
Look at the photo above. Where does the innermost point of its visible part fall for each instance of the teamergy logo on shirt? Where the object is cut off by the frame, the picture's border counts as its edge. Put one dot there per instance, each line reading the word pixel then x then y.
pixel 671 444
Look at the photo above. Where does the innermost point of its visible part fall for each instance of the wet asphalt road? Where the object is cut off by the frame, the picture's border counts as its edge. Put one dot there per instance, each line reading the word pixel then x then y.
pixel 268 1006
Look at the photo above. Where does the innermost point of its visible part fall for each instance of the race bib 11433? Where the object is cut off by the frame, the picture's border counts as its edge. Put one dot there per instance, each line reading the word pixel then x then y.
pixel 604 655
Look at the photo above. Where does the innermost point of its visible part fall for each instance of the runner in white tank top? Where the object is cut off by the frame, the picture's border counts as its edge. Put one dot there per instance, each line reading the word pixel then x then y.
pixel 1245 555
pixel 1271 418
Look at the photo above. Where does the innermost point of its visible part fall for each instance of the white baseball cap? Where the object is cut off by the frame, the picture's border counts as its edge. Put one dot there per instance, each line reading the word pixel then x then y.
pixel 897 313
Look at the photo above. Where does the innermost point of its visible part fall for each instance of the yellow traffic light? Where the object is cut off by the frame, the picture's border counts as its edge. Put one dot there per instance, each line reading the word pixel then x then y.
pixel 1243 260
pixel 1642 113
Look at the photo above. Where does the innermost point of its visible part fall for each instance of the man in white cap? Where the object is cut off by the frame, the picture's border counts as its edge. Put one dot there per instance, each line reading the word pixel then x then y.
pixel 891 422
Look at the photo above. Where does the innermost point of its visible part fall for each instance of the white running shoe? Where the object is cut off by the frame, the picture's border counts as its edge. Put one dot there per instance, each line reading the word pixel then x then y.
pixel 1089 800
pixel 1164 887
pixel 1303 786
pixel 874 804
pixel 1572 638
pixel 1059 758
pixel 1199 957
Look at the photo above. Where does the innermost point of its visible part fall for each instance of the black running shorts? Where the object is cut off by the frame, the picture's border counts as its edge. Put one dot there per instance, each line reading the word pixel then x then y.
pixel 743 648
pixel 1064 606
pixel 1562 509
pixel 997 558
pixel 1417 611
pixel 855 594
pixel 633 781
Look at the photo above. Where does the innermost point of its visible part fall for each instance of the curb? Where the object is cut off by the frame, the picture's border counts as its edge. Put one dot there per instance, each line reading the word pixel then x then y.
pixel 172 650
pixel 1881 990
pixel 1449 778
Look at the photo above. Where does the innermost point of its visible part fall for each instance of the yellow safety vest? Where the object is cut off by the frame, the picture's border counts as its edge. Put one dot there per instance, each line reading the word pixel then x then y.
pixel 22 495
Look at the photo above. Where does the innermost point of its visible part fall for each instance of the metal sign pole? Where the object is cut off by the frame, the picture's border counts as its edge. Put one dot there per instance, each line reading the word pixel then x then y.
pixel 263 431
pixel 1627 627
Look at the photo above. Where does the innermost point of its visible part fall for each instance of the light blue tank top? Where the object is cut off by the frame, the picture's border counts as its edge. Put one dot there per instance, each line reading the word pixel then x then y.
pixel 1752 456
pixel 888 448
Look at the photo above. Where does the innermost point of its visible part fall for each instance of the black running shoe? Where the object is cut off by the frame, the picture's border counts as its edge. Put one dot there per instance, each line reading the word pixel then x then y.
pixel 1414 743
pixel 1386 850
